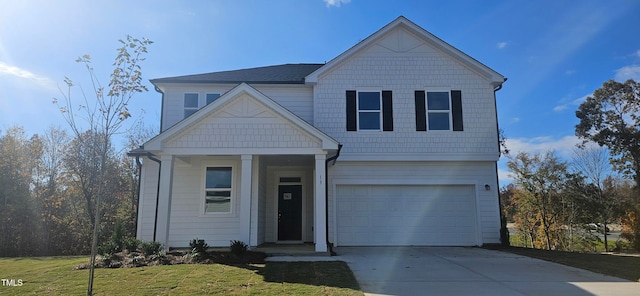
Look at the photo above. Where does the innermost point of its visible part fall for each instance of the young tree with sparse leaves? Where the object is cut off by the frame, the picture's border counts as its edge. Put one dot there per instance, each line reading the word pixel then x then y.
pixel 96 117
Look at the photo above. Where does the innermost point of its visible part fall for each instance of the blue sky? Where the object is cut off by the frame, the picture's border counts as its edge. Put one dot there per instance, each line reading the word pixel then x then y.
pixel 555 53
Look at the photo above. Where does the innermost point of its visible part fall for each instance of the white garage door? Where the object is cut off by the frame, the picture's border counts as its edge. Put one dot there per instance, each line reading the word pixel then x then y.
pixel 400 215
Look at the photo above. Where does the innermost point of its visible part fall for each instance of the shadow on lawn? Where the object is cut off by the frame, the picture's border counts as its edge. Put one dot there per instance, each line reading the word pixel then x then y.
pixel 332 274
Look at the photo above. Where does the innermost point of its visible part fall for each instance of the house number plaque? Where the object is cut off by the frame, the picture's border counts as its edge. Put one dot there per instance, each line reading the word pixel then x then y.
pixel 286 196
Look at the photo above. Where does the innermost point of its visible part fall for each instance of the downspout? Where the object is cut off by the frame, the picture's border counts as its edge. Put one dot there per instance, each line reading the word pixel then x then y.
pixel 155 216
pixel 139 164
pixel 326 198
pixel 161 105
pixel 504 232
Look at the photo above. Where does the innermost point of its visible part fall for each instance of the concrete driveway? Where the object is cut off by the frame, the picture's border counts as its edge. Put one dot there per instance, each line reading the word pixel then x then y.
pixel 471 271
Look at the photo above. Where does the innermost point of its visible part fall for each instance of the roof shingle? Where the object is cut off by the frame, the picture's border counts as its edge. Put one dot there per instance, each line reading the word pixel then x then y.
pixel 278 74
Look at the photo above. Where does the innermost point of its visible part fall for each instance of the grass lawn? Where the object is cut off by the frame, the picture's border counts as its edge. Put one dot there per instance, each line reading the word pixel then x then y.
pixel 626 267
pixel 55 276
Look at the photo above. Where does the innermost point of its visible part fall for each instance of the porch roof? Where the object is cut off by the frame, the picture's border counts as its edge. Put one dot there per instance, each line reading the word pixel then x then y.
pixel 242 121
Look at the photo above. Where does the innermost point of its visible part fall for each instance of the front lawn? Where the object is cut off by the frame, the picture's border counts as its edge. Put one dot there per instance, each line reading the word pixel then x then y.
pixel 626 267
pixel 55 276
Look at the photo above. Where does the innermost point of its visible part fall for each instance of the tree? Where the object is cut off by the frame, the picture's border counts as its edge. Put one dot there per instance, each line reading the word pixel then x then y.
pixel 19 157
pixel 104 116
pixel 601 197
pixel 541 178
pixel 611 118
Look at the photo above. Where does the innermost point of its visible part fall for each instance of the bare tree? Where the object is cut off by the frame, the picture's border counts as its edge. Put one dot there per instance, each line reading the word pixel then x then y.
pixel 592 162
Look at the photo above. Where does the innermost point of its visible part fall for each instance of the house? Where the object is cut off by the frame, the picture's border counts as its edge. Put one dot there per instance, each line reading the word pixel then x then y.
pixel 393 142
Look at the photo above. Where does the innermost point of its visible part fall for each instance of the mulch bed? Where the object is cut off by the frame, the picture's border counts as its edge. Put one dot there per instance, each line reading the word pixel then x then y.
pixel 126 259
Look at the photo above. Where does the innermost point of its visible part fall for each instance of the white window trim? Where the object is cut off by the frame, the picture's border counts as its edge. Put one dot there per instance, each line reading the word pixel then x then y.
pixel 358 91
pixel 203 190
pixel 426 107
pixel 184 109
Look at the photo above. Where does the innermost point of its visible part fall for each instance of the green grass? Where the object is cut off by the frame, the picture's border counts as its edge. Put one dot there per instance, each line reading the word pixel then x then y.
pixel 626 267
pixel 55 276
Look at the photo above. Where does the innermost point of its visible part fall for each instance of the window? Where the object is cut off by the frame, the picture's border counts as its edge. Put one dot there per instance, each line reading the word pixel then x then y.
pixel 190 104
pixel 218 182
pixel 438 110
pixel 369 110
pixel 212 97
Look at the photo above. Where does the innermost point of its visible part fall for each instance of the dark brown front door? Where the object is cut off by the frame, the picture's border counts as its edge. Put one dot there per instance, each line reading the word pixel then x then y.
pixel 290 212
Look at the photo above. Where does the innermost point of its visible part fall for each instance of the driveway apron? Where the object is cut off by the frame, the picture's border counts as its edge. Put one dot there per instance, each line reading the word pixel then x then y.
pixel 471 271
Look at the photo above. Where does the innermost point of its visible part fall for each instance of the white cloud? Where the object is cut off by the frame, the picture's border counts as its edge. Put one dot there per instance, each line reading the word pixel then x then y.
pixel 16 72
pixel 504 176
pixel 336 3
pixel 501 45
pixel 514 120
pixel 562 146
pixel 573 103
pixel 628 72
pixel 637 53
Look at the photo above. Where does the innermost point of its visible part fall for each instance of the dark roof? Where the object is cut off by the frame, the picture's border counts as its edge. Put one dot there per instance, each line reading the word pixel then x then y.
pixel 279 74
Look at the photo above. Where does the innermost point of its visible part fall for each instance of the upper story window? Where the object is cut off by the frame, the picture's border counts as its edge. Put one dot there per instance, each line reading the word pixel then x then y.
pixel 211 97
pixel 190 104
pixel 438 110
pixel 369 110
pixel 218 190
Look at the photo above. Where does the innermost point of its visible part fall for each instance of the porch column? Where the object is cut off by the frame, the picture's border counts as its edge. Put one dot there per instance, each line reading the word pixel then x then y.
pixel 245 198
pixel 254 201
pixel 320 205
pixel 164 200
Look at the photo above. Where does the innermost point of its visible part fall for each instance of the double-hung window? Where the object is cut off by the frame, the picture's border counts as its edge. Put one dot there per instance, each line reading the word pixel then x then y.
pixel 369 110
pixel 438 110
pixel 218 190
pixel 190 104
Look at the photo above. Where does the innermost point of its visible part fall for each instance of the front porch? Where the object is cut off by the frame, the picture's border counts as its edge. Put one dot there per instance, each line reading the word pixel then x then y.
pixel 256 199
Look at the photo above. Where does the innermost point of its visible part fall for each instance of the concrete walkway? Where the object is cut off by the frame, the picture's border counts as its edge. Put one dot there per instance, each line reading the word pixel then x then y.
pixel 471 271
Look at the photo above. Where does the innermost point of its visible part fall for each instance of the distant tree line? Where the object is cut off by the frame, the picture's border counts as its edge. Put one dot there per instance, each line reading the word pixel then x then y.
pixel 555 203
pixel 46 191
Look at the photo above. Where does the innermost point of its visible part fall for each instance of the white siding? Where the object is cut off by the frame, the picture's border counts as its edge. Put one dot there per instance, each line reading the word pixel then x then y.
pixel 296 98
pixel 425 173
pixel 187 218
pixel 147 202
pixel 403 73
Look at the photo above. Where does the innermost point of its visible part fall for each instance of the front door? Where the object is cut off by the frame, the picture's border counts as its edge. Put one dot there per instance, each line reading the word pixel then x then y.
pixel 290 212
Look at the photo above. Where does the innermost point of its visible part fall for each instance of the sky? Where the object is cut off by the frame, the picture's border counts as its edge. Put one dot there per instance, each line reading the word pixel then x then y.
pixel 554 53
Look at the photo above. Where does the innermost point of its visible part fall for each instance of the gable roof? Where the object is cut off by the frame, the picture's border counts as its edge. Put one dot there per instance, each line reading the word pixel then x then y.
pixel 156 143
pixel 495 77
pixel 279 74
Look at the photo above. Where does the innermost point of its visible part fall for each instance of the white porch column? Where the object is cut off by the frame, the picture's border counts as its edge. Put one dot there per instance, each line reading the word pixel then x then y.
pixel 164 200
pixel 320 205
pixel 245 198
pixel 254 201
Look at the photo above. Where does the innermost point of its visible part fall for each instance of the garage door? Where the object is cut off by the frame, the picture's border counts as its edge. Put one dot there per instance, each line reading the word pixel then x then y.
pixel 400 215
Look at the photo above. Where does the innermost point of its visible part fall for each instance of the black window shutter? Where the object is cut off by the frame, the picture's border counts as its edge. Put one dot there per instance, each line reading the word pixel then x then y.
pixel 351 110
pixel 387 110
pixel 421 111
pixel 456 109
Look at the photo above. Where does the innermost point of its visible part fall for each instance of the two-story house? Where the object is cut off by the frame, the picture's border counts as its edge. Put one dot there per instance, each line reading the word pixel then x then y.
pixel 393 142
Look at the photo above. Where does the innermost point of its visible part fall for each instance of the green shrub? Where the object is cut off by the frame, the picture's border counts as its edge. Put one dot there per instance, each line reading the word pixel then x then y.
pixel 118 234
pixel 109 248
pixel 151 248
pixel 131 244
pixel 198 246
pixel 238 248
